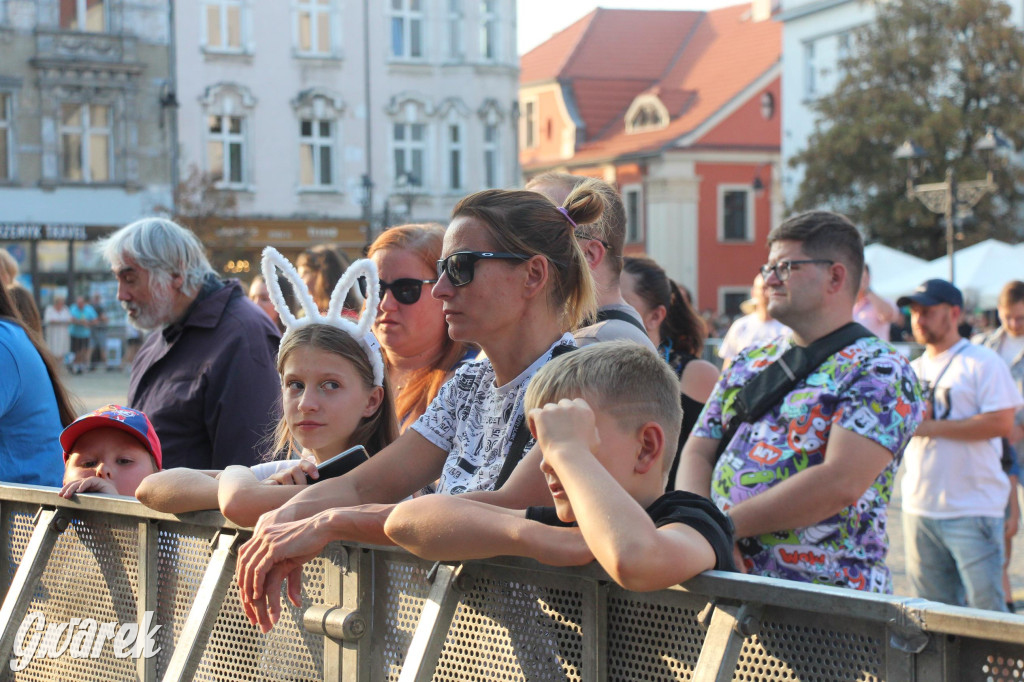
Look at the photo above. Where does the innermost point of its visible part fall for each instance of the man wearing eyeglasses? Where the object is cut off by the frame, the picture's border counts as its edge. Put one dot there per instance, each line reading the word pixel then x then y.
pixel 807 485
pixel 954 489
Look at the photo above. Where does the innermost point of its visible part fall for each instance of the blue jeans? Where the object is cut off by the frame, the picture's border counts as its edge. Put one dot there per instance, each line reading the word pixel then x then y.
pixel 957 561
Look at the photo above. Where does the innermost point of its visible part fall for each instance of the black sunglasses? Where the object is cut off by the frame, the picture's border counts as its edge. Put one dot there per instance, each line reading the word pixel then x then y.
pixel 406 290
pixel 459 265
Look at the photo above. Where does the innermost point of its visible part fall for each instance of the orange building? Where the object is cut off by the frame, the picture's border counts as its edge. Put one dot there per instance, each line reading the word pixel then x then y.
pixel 679 110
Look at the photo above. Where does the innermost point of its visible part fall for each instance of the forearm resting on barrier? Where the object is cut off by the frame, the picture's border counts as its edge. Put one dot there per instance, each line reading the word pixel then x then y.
pixel 176 491
pixel 242 498
pixel 442 528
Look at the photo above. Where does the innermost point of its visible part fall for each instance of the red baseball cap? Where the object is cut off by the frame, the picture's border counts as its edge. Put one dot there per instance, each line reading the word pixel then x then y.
pixel 130 421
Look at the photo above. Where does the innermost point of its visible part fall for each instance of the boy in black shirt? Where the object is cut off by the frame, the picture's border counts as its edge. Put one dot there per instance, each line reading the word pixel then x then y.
pixel 602 417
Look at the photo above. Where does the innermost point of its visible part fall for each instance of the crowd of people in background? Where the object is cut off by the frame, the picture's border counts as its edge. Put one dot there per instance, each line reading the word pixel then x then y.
pixel 517 359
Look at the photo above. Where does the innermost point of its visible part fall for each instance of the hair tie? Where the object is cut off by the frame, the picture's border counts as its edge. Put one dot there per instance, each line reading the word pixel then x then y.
pixel 359 331
pixel 561 209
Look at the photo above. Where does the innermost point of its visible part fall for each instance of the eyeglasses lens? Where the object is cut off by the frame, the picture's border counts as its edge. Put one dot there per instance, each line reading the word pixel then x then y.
pixel 460 269
pixel 405 291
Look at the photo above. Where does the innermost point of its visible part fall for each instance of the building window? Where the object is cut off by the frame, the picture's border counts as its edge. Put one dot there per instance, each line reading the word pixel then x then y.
pixel 489 30
pixel 730 299
pixel 312 21
pixel 407 29
pixel 83 15
pixel 85 143
pixel 6 136
pixel 223 30
pixel 735 214
pixel 632 200
pixel 810 81
pixel 456 50
pixel 491 158
pixel 530 130
pixel 646 117
pixel 409 142
pixel 225 149
pixel 455 156
pixel 316 153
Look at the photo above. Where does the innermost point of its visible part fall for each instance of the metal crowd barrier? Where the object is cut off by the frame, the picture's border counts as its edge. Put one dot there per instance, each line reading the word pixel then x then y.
pixel 380 614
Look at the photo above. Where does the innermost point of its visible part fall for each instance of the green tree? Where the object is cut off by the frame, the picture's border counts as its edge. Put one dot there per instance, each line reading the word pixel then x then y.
pixel 935 71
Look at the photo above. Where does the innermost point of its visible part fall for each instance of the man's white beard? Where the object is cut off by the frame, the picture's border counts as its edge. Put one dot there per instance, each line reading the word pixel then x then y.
pixel 156 314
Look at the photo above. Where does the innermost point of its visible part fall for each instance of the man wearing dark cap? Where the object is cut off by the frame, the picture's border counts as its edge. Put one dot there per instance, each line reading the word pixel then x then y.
pixel 954 489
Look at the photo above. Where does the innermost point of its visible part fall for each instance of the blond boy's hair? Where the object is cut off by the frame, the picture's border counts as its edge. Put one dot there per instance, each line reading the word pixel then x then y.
pixel 621 378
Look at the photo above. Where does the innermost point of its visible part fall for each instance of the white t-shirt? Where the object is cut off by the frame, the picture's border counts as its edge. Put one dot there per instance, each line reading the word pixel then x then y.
pixel 614 330
pixel 474 421
pixel 948 478
pixel 265 470
pixel 1011 348
pixel 749 330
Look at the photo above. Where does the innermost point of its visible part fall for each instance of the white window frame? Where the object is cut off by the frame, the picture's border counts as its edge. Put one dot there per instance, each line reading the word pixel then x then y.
pixel 409 147
pixel 456 29
pixel 7 131
pixel 810 71
pixel 451 149
pixel 86 132
pixel 318 142
pixel 490 21
pixel 492 148
pixel 531 125
pixel 318 13
pixel 223 7
pixel 226 138
pixel 743 291
pixel 81 13
pixel 635 234
pixel 410 18
pixel 724 189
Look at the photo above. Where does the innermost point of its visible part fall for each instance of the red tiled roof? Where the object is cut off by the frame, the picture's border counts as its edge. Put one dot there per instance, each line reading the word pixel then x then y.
pixel 695 62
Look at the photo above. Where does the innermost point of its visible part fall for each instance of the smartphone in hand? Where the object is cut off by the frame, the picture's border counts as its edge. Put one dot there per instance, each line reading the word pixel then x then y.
pixel 341 464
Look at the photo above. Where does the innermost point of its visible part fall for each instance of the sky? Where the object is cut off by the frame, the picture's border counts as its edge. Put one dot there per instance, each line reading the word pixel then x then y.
pixel 538 20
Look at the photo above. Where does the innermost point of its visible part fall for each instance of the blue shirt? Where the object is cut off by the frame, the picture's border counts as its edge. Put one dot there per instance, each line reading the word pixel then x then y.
pixel 86 314
pixel 30 425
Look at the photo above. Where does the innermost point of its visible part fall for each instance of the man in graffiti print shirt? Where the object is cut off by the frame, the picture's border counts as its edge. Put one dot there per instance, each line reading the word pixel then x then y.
pixel 809 483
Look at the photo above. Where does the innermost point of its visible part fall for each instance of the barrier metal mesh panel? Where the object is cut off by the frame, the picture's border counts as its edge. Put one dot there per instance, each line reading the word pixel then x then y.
pixel 236 650
pixel 990 661
pixel 402 588
pixel 653 639
pixel 797 645
pixel 507 630
pixel 91 573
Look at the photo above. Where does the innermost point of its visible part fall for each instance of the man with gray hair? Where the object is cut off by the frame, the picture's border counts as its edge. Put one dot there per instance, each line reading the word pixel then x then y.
pixel 206 376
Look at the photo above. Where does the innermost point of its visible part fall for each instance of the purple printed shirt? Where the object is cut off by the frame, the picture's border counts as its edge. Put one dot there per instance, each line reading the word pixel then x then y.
pixel 867 388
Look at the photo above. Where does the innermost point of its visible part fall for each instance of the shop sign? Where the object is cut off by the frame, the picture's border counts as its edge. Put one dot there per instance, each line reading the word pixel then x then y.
pixel 37 231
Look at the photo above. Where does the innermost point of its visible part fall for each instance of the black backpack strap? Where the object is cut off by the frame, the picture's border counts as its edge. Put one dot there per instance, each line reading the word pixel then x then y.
pixel 770 387
pixel 622 316
pixel 518 447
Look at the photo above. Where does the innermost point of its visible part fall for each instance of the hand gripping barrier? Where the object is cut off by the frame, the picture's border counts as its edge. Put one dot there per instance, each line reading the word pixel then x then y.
pixel 381 614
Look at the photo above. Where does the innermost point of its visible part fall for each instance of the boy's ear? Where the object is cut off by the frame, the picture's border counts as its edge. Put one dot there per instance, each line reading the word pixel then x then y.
pixel 652 447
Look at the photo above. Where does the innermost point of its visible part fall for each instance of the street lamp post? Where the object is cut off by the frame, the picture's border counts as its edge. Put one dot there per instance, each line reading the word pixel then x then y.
pixel 950 198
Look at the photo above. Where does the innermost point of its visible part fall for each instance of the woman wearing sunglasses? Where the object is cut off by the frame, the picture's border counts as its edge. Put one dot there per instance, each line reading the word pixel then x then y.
pixel 410 323
pixel 513 280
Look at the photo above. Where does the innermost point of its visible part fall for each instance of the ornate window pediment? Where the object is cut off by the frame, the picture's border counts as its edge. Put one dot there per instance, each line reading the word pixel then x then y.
pixel 646 113
pixel 318 103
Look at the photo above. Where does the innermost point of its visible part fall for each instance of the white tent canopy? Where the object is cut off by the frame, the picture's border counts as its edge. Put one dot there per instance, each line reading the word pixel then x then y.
pixel 981 271
pixel 885 259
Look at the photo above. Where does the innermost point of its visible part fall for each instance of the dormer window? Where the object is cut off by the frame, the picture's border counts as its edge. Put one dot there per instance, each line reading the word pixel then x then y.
pixel 646 113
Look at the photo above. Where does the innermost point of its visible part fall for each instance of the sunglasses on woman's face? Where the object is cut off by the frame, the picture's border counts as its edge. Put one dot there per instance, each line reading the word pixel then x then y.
pixel 406 290
pixel 459 265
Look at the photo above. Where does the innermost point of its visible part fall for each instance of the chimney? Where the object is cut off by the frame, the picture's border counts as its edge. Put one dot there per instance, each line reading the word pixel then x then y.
pixel 762 10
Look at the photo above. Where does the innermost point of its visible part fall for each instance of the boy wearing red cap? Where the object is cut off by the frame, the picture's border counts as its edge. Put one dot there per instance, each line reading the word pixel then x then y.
pixel 109 451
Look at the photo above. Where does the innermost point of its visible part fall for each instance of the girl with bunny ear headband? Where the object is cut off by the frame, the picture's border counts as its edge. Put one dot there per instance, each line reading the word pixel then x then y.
pixel 335 394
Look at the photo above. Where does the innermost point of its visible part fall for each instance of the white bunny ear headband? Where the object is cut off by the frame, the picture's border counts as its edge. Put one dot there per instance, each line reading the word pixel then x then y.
pixel 360 331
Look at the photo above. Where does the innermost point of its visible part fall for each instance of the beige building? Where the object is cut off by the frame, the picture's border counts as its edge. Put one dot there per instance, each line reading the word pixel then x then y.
pixel 339 117
pixel 84 130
